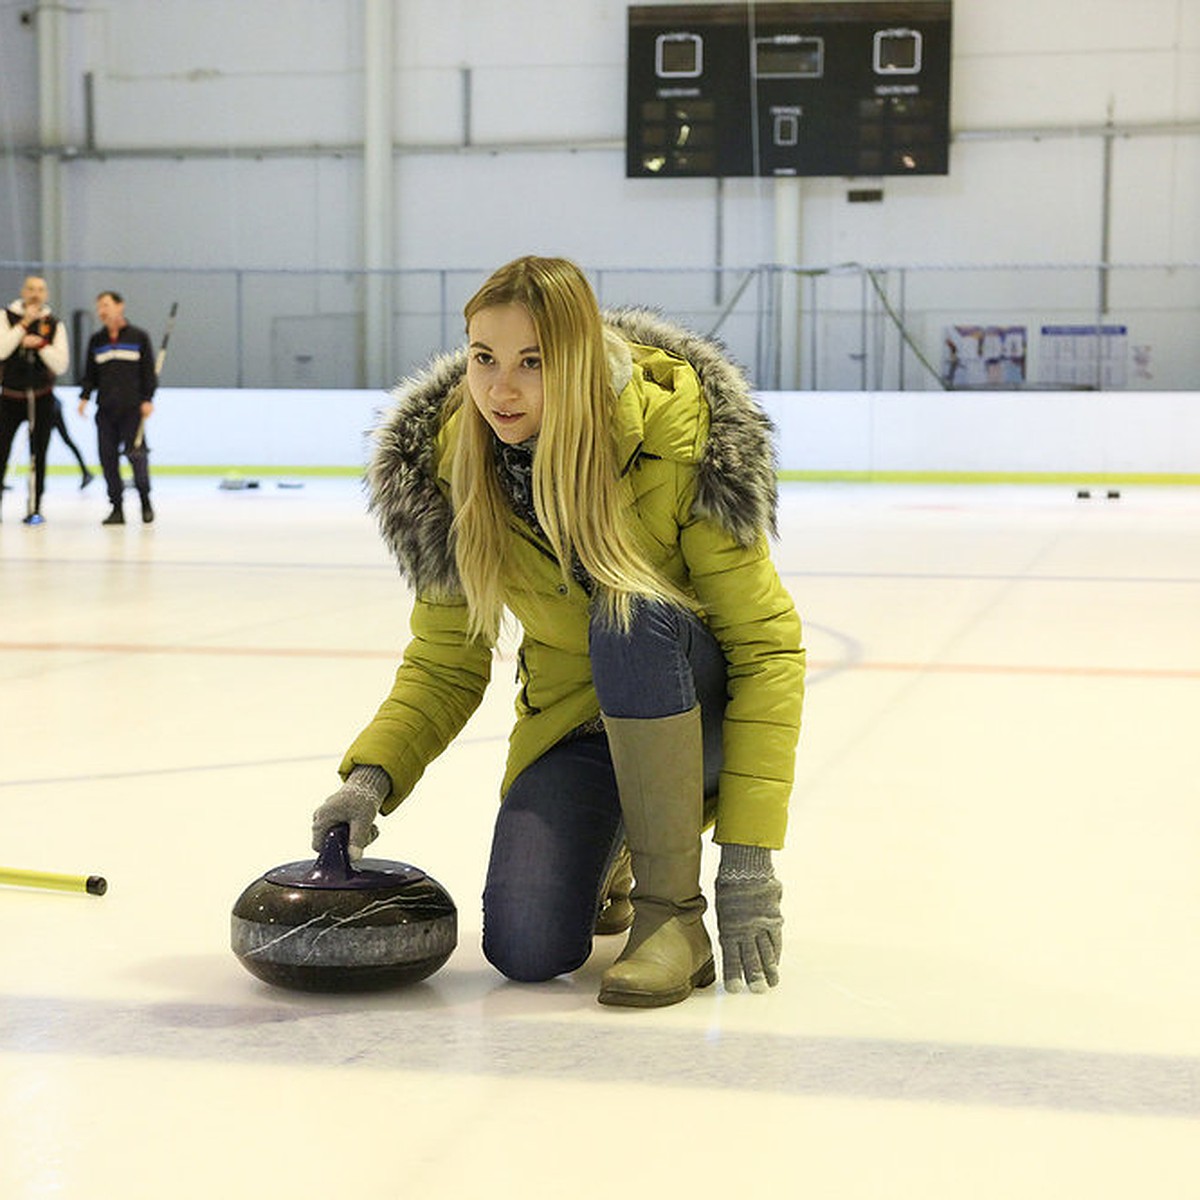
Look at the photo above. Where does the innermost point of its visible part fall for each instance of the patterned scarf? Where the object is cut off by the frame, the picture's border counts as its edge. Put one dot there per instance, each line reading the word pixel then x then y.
pixel 514 468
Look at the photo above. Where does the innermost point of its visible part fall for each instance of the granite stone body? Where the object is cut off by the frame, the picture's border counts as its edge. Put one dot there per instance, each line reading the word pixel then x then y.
pixel 314 927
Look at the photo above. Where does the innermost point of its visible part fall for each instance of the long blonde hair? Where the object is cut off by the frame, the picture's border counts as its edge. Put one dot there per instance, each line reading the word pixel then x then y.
pixel 579 495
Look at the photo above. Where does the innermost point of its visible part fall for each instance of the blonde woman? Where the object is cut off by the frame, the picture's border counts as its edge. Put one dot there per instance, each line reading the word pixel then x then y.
pixel 609 482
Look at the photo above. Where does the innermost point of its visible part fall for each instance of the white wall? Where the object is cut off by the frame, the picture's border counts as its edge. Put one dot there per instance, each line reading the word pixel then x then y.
pixel 169 73
pixel 18 127
pixel 244 91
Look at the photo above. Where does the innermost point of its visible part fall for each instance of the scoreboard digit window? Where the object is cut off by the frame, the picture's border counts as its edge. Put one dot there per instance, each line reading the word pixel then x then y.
pixel 835 89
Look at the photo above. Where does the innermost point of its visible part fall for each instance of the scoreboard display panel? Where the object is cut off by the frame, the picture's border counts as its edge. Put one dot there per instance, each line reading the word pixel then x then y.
pixel 836 89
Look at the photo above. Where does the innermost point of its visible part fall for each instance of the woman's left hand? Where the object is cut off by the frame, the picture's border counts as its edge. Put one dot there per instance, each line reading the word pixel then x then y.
pixel 749 922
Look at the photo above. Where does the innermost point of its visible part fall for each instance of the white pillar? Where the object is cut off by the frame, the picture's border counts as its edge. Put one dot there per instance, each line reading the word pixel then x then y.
pixel 378 188
pixel 788 217
pixel 52 127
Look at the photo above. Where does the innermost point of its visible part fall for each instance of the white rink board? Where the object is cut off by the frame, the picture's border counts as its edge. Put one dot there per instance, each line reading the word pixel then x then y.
pixel 1155 433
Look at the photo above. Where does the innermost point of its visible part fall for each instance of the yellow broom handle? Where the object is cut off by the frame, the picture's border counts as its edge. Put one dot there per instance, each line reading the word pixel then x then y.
pixel 94 885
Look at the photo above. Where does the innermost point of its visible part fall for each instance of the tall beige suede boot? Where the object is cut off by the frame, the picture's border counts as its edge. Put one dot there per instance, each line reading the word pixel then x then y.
pixel 660 776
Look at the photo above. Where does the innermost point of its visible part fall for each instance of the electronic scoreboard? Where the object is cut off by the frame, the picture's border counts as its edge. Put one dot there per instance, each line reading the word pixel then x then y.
pixel 839 88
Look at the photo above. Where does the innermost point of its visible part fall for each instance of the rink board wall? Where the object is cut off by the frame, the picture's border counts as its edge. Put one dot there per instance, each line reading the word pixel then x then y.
pixel 830 435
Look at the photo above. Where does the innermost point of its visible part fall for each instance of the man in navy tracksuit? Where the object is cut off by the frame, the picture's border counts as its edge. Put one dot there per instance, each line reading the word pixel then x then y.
pixel 119 368
pixel 33 350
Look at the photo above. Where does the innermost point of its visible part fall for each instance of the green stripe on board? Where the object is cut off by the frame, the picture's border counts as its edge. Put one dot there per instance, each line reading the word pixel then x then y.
pixel 1129 478
pixel 1056 477
pixel 231 469
pixel 254 469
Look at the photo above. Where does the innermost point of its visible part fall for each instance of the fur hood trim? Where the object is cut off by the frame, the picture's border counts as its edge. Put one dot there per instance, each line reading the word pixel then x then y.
pixel 735 477
pixel 413 512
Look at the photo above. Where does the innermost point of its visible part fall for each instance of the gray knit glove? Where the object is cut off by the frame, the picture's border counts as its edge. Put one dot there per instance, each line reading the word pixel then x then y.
pixel 748 918
pixel 356 803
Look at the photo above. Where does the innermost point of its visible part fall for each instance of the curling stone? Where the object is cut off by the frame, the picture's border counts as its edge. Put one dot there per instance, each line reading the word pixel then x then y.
pixel 326 925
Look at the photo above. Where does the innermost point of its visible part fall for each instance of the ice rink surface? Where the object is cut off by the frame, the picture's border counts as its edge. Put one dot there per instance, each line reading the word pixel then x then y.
pixel 991 980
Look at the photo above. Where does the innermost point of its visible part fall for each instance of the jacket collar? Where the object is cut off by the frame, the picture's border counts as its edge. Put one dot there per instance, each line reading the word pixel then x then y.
pixel 630 425
pixel 407 477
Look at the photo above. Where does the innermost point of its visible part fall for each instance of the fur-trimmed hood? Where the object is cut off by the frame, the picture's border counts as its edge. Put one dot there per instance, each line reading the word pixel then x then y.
pixel 735 477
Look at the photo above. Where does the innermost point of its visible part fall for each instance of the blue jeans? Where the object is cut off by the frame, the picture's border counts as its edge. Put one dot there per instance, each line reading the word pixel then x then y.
pixel 559 825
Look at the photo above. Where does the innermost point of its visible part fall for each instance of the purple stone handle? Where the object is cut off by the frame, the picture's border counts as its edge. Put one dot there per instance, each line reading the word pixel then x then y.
pixel 333 867
pixel 334 870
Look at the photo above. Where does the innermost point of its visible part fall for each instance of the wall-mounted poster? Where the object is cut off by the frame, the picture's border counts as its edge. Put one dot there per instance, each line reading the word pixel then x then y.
pixel 1087 356
pixel 979 356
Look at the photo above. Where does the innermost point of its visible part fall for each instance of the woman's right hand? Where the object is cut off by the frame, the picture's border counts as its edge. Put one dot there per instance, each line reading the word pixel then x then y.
pixel 356 803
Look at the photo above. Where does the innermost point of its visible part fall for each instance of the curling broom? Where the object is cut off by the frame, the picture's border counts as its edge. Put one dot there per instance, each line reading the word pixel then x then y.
pixel 94 885
pixel 158 366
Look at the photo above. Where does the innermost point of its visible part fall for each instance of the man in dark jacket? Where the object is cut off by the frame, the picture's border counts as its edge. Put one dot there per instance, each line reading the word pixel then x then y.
pixel 119 368
pixel 33 350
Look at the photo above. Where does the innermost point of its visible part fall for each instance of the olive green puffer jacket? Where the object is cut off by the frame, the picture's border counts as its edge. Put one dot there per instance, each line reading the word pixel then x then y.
pixel 698 453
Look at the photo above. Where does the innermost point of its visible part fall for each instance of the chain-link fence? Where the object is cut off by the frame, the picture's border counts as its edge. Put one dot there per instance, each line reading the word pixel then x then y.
pixel 850 327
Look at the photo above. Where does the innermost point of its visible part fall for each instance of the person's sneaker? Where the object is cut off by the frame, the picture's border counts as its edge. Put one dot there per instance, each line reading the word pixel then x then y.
pixel 34 518
pixel 147 511
pixel 116 517
pixel 88 476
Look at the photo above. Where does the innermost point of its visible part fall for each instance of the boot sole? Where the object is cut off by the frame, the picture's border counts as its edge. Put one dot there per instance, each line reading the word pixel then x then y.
pixel 705 976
